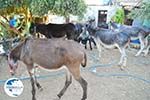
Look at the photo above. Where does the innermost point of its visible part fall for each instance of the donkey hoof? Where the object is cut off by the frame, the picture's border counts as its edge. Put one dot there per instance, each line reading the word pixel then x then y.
pixel 83 99
pixel 136 55
pixel 119 64
pixel 33 98
pixel 145 55
pixel 121 68
pixel 56 98
pixel 40 89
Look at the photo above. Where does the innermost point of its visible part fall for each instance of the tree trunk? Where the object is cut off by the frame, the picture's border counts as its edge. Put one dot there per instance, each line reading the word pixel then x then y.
pixel 67 19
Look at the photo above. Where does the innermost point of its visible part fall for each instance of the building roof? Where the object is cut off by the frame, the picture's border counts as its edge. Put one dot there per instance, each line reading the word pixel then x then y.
pixel 120 2
pixel 130 2
pixel 97 2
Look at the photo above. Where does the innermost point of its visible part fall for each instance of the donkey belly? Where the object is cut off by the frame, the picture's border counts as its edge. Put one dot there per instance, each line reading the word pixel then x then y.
pixel 58 34
pixel 109 46
pixel 107 42
pixel 48 63
pixel 49 68
pixel 48 58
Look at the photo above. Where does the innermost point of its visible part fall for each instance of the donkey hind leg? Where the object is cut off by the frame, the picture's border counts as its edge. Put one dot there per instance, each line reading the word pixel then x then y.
pixel 36 82
pixel 147 44
pixel 75 70
pixel 146 50
pixel 123 59
pixel 99 47
pixel 99 50
pixel 141 38
pixel 83 83
pixel 32 81
pixel 67 83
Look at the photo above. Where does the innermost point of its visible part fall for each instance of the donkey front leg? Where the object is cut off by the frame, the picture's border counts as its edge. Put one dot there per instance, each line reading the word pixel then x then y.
pixel 92 40
pixel 36 82
pixel 31 73
pixel 33 86
pixel 67 83
pixel 123 59
pixel 90 44
pixel 85 45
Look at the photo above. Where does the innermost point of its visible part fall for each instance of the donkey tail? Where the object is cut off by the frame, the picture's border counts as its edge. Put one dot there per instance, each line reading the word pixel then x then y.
pixel 84 62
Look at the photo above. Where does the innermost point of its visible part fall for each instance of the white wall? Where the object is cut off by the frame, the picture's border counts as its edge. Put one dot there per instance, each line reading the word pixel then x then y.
pixel 93 7
pixel 93 11
pixel 1 49
pixel 60 19
pixel 55 19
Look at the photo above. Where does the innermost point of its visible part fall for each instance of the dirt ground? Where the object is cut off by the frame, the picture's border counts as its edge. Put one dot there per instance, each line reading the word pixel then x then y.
pixel 105 79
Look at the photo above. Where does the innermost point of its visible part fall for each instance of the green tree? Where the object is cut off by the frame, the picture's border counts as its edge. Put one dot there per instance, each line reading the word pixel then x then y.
pixel 69 7
pixel 142 12
pixel 13 6
pixel 40 7
pixel 59 7
pixel 119 17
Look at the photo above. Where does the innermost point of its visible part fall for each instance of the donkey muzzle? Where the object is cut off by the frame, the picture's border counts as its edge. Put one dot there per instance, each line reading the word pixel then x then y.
pixel 12 72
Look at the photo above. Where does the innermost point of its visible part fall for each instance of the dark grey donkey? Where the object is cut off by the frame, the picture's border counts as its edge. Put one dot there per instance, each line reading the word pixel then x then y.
pixel 109 38
pixel 140 32
pixel 50 54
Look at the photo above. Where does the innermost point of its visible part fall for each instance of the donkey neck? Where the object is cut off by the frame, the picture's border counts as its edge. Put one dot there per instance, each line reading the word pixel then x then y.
pixel 16 52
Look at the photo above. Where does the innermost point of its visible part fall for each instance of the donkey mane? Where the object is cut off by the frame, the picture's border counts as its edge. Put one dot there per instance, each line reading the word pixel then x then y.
pixel 15 53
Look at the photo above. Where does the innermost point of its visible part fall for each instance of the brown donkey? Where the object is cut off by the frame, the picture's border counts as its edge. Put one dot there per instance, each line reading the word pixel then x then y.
pixel 50 54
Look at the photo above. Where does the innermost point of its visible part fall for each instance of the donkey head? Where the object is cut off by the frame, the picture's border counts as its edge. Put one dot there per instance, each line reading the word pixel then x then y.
pixel 91 28
pixel 15 55
pixel 13 64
